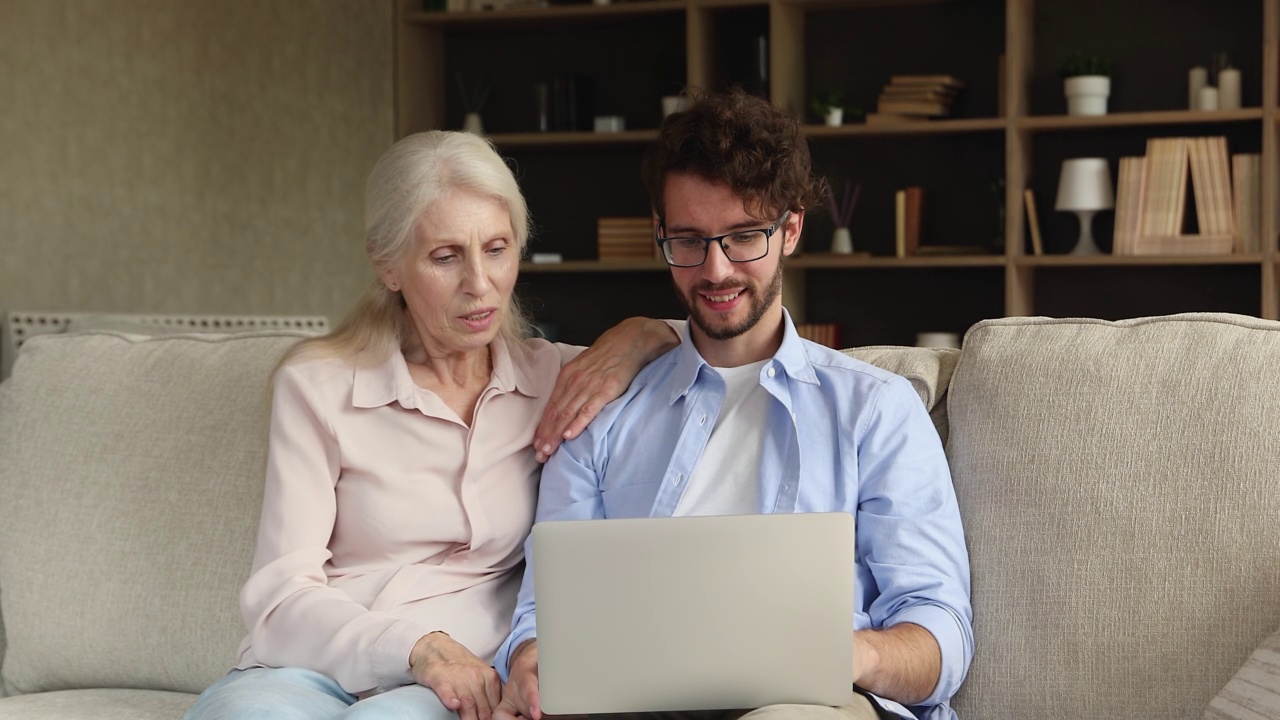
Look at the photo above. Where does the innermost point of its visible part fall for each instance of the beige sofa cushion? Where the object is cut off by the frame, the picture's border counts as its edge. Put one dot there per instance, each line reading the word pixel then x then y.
pixel 98 705
pixel 129 492
pixel 1254 692
pixel 1120 487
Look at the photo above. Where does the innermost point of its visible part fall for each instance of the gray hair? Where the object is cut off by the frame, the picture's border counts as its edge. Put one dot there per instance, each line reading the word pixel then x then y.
pixel 407 180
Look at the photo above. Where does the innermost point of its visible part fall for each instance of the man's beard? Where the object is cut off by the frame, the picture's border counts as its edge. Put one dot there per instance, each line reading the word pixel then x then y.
pixel 760 303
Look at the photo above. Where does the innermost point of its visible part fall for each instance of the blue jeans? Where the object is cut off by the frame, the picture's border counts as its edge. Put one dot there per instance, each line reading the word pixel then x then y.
pixel 298 694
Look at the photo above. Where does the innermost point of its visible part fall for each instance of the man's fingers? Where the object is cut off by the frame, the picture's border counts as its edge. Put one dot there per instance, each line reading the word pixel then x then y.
pixel 506 710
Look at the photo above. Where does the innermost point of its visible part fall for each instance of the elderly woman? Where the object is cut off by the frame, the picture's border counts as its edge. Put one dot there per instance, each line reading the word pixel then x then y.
pixel 402 475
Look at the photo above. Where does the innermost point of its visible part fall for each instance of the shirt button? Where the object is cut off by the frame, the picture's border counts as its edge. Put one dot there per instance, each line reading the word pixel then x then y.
pixel 770 372
pixel 676 480
pixel 786 487
pixel 702 420
pixel 793 417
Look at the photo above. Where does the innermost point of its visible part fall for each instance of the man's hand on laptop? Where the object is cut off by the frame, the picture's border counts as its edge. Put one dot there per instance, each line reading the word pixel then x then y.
pixel 463 682
pixel 520 696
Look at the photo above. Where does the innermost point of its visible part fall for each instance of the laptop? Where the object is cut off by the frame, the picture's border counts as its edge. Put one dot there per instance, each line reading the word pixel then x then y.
pixel 694 613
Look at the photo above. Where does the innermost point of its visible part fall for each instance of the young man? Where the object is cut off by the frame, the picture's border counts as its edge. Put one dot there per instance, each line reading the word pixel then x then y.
pixel 714 427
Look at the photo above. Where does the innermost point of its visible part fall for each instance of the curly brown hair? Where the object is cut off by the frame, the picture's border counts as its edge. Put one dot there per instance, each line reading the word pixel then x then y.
pixel 742 141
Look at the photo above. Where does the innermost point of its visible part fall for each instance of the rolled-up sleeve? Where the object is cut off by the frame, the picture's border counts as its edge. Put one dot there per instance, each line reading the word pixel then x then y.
pixel 909 533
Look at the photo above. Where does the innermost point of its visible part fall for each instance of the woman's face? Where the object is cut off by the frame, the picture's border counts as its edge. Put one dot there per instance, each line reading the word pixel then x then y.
pixel 459 273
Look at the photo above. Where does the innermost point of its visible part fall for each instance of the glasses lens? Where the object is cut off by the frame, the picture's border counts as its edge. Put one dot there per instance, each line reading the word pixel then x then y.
pixel 685 251
pixel 747 245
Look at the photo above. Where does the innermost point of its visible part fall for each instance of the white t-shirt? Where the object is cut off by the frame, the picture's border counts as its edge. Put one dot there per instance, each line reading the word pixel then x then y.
pixel 726 480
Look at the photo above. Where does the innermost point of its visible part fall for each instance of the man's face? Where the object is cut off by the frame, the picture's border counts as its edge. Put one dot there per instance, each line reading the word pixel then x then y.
pixel 725 299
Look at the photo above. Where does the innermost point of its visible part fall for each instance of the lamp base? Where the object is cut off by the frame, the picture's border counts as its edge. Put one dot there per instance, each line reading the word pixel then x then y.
pixel 1085 245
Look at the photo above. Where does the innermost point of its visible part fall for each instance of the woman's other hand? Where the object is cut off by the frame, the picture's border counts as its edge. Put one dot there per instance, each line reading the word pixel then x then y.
pixel 461 680
pixel 597 377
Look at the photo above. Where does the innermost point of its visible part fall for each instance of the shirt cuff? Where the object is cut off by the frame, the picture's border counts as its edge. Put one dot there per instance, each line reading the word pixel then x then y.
pixel 951 637
pixel 502 661
pixel 390 661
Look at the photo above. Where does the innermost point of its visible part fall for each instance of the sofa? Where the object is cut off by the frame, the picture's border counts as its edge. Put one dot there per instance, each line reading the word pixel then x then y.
pixel 1119 483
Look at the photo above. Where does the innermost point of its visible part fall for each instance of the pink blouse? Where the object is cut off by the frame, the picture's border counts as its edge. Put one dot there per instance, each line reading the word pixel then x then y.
pixel 385 517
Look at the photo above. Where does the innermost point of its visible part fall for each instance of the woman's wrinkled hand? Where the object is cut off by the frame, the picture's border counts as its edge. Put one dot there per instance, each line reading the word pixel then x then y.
pixel 463 682
pixel 597 377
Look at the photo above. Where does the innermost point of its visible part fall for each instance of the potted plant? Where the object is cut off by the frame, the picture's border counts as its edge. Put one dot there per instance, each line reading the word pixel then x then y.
pixel 1087 83
pixel 829 105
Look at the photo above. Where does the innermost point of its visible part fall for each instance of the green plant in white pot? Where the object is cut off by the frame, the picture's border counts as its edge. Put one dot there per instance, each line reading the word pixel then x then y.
pixel 1087 83
pixel 828 105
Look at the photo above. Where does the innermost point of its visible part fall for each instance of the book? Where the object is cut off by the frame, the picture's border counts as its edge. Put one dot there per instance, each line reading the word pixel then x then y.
pixel 1246 172
pixel 914 107
pixel 943 80
pixel 626 239
pixel 909 211
pixel 1033 221
pixel 1128 204
pixel 1164 187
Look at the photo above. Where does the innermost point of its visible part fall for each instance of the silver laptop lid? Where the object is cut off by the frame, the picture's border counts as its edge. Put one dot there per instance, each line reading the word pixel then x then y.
pixel 694 613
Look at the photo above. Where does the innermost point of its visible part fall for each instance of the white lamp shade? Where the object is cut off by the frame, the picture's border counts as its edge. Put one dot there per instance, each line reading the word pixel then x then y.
pixel 1085 184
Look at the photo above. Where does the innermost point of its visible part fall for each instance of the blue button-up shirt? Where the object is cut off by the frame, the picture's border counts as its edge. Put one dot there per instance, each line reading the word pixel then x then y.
pixel 841 435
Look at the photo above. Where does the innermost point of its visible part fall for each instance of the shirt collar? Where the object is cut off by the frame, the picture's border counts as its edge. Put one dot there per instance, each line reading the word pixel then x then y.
pixel 792 357
pixel 390 381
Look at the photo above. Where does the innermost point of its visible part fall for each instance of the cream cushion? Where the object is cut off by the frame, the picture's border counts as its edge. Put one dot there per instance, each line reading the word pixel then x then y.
pixel 131 477
pixel 1120 488
pixel 1254 692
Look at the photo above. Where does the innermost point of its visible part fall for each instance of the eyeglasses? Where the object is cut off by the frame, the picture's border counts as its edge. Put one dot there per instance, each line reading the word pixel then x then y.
pixel 739 246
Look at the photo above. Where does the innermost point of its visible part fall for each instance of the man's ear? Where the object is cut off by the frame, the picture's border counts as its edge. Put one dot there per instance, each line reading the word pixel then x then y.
pixel 795 224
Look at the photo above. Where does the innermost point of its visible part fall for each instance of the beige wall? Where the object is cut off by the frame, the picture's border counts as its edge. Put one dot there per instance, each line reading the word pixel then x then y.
pixel 189 156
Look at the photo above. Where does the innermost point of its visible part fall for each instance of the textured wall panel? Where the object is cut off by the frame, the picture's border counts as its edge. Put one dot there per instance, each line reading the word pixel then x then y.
pixel 189 157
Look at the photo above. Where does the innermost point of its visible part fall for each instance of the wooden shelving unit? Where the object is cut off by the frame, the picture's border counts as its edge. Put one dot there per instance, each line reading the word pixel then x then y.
pixel 1009 126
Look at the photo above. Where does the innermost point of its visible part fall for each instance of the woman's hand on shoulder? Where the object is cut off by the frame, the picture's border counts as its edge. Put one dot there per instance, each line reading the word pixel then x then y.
pixel 597 377
pixel 463 682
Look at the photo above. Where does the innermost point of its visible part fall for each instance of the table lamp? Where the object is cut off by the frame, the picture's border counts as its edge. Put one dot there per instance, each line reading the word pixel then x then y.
pixel 1085 188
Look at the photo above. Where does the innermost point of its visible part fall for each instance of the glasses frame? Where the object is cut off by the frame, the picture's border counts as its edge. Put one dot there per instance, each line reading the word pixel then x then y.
pixel 719 240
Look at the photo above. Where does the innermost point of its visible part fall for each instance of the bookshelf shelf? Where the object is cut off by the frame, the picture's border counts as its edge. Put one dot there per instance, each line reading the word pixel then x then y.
pixel 594 266
pixel 553 14
pixel 1137 119
pixel 1136 260
pixel 827 261
pixel 574 138
pixel 1007 127
pixel 933 127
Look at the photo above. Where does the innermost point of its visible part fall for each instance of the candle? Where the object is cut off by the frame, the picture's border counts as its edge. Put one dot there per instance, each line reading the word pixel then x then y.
pixel 1208 98
pixel 1229 89
pixel 1196 79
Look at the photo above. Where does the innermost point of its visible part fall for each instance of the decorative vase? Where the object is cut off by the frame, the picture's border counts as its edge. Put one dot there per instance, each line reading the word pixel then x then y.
pixel 1087 94
pixel 471 123
pixel 841 241
pixel 835 117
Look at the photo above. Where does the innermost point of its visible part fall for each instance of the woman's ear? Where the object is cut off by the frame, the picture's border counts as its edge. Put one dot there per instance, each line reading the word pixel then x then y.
pixel 390 278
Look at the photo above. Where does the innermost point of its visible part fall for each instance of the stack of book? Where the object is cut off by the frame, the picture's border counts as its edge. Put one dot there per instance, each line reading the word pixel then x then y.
pixel 822 333
pixel 915 97
pixel 1151 199
pixel 626 238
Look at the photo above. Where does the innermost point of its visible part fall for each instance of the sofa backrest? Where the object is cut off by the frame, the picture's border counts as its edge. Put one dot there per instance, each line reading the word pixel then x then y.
pixel 131 475
pixel 1120 488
